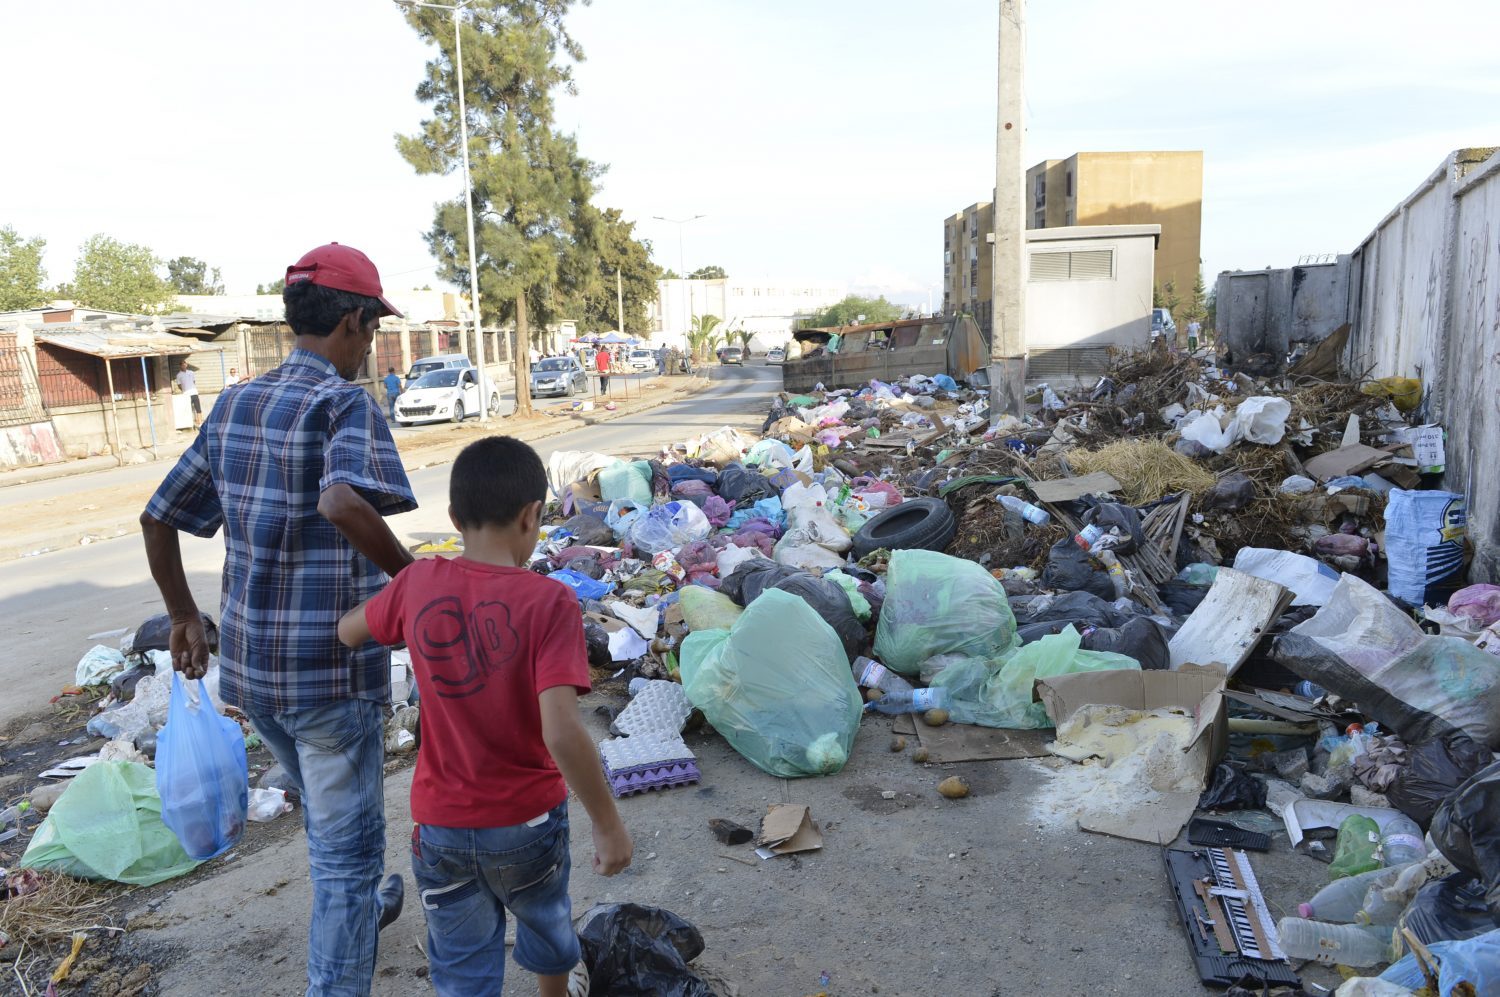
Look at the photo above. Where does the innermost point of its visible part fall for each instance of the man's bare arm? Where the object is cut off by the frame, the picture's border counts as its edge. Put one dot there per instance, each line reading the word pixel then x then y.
pixel 188 643
pixel 364 528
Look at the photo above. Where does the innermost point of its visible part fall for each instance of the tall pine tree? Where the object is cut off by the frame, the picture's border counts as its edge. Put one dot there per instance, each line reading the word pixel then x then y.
pixel 531 185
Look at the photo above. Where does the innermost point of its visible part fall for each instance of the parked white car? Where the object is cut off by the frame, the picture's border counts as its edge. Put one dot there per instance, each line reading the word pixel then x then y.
pixel 446 393
pixel 445 361
pixel 776 356
pixel 640 360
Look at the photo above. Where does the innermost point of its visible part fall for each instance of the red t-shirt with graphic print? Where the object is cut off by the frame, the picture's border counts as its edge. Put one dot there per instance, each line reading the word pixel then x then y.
pixel 485 641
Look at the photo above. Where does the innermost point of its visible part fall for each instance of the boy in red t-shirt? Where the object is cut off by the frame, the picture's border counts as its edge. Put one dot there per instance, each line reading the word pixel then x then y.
pixel 500 660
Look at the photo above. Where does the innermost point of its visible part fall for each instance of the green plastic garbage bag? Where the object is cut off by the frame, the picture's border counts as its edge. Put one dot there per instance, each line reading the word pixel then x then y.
pixel 705 609
pixel 626 481
pixel 777 685
pixel 997 692
pixel 936 604
pixel 850 585
pixel 107 825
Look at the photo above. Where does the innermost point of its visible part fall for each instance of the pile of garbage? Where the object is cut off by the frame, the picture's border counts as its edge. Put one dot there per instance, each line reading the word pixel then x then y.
pixel 1265 575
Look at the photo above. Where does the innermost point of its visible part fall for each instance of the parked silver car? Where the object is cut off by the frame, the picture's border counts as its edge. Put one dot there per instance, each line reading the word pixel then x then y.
pixel 445 361
pixel 558 376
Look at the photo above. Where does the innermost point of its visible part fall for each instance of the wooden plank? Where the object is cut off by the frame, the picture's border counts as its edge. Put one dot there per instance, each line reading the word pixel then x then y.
pixel 1072 489
pixel 1230 621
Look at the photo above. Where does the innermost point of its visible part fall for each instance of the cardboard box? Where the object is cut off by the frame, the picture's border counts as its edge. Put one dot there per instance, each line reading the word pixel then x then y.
pixel 1196 690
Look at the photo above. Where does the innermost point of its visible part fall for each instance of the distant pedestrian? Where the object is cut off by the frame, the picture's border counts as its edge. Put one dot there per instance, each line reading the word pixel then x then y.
pixel 187 383
pixel 661 361
pixel 601 360
pixel 233 378
pixel 298 472
pixel 1195 329
pixel 392 389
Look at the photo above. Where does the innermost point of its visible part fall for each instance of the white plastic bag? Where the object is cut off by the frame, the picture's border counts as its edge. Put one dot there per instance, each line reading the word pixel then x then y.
pixel 1297 484
pixel 1311 581
pixel 669 526
pixel 1361 626
pixel 721 446
pixel 1207 429
pixel 1262 419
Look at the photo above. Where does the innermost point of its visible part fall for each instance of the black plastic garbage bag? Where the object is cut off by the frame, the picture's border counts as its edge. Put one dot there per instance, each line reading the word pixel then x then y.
pixel 1233 788
pixel 1142 638
pixel 596 639
pixel 590 531
pixel 1230 493
pixel 1180 598
pixel 155 634
pixel 1432 771
pixel 745 584
pixel 1117 516
pixel 1069 568
pixel 1466 829
pixel 636 951
pixel 1449 910
pixel 1079 608
pixel 741 486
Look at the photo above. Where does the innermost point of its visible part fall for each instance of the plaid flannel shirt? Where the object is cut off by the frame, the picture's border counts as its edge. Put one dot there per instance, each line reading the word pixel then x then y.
pixel 266 452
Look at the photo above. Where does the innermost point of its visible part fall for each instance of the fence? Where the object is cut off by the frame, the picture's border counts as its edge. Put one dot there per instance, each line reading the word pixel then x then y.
pixel 68 378
pixel 20 399
pixel 1424 292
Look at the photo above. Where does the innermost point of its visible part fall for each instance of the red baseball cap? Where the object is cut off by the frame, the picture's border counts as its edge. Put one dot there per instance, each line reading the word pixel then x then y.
pixel 342 268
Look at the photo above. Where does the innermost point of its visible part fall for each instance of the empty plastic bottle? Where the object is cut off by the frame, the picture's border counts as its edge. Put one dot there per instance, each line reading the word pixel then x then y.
pixel 1401 842
pixel 1341 900
pixel 1356 945
pixel 1308 690
pixel 1027 511
pixel 871 674
pixel 911 701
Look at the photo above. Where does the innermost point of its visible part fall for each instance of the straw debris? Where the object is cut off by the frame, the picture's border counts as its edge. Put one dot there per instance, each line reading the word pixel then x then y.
pixel 1145 469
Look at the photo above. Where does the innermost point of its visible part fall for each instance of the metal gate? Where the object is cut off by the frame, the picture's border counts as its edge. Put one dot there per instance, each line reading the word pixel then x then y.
pixel 20 395
pixel 269 345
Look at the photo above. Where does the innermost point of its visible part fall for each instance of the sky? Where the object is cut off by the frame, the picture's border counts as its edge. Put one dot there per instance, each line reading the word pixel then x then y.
pixel 822 140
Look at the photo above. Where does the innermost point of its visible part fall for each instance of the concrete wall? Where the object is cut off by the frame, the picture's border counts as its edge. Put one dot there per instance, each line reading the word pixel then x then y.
pixel 1265 311
pixel 1145 188
pixel 1424 294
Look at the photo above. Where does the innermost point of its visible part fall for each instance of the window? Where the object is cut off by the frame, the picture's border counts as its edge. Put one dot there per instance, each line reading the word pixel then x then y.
pixel 1083 264
pixel 1069 184
pixel 1068 217
pixel 1041 189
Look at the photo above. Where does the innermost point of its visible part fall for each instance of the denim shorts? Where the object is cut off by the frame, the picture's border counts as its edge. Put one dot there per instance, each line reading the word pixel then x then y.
pixel 469 877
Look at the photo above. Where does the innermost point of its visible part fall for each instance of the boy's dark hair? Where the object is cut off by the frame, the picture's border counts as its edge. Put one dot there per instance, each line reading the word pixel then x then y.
pixel 493 479
pixel 315 310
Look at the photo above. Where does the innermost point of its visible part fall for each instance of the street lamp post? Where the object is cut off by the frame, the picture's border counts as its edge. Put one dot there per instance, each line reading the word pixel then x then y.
pixel 682 265
pixel 463 133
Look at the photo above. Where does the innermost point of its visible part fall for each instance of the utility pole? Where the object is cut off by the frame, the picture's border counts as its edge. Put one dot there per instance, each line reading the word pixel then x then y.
pixel 620 300
pixel 1008 292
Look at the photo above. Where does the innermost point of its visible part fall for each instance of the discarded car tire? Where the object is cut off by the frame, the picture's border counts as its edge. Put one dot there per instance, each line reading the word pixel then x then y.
pixel 916 524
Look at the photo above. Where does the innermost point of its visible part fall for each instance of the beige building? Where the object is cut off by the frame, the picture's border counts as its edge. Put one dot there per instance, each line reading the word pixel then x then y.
pixel 1127 188
pixel 968 263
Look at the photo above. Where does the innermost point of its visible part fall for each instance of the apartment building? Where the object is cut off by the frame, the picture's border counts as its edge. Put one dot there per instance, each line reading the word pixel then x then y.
pixel 1127 188
pixel 968 262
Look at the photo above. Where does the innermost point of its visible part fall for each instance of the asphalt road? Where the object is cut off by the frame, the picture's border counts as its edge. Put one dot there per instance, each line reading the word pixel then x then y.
pixel 51 604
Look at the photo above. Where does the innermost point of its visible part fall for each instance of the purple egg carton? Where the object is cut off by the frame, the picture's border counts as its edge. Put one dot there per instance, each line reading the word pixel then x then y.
pixel 641 780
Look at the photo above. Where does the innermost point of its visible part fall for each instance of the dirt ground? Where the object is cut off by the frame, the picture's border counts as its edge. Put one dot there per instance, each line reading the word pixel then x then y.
pixel 910 895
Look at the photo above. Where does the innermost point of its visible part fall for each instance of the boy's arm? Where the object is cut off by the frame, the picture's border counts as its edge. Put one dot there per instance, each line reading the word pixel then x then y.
pixel 354 629
pixel 578 760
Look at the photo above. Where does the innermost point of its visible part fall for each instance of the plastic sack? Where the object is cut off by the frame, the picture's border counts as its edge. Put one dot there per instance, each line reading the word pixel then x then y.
pixel 732 557
pixel 669 526
pixel 1403 392
pixel 1480 603
pixel 1071 569
pixel 107 825
pixel 590 531
pixel 1262 419
pixel 693 489
pixel 1361 626
pixel 742 486
pixel 1233 788
pixel 936 604
pixel 721 446
pixel 202 776
pixel 636 951
pixel 1297 484
pixel 621 517
pixel 816 546
pixel 825 596
pixel 567 466
pixel 1431 771
pixel 97 665
pixel 1465 827
pixel 1452 907
pixel 777 686
pixel 1424 541
pixel 1475 961
pixel 1311 582
pixel 771 453
pixel 1231 493
pixel 705 609
pixel 716 511
pixel 1208 430
pixel 622 480
pixel 850 585
pixel 945 382
pixel 582 585
pixel 997 692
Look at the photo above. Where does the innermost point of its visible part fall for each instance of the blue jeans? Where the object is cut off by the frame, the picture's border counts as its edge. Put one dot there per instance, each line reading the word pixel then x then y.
pixel 469 878
pixel 391 400
pixel 335 757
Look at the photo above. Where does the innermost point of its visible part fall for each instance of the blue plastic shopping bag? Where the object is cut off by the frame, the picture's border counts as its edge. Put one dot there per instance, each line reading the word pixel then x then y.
pixel 202 775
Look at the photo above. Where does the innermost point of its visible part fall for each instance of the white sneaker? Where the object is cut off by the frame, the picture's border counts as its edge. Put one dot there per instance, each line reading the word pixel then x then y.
pixel 578 981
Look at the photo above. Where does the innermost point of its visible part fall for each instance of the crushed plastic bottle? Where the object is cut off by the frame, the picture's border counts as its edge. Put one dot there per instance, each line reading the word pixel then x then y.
pixel 871 674
pixel 1356 945
pixel 1341 900
pixel 913 701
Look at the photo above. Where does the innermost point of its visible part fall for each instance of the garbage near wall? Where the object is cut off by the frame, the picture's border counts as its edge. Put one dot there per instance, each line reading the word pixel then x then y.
pixel 1231 597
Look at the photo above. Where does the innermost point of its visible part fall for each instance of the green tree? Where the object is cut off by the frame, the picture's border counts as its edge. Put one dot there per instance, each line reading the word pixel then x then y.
pixel 275 287
pixel 849 310
pixel 669 274
pixel 119 277
pixel 708 273
pixel 703 335
pixel 602 244
pixel 1197 306
pixel 531 186
pixel 1165 295
pixel 190 275
pixel 22 276
pixel 744 336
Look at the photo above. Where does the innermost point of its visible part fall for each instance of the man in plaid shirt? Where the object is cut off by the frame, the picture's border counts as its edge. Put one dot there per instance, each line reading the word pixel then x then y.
pixel 298 467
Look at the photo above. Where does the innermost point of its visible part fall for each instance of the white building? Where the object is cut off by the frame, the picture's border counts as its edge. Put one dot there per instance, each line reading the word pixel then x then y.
pixel 417 306
pixel 768 308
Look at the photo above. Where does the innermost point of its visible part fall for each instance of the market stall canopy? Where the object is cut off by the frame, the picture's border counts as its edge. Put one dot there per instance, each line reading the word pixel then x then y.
pixel 615 337
pixel 119 344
